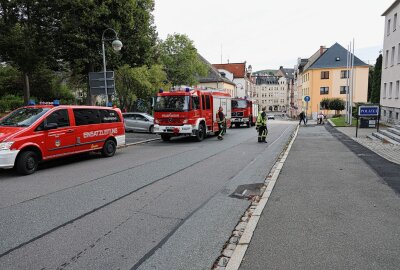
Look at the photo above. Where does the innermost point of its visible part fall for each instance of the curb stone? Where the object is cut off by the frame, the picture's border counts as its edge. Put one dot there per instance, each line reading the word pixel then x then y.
pixel 243 232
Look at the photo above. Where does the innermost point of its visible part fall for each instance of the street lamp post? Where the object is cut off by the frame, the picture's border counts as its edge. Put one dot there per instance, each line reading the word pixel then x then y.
pixel 117 45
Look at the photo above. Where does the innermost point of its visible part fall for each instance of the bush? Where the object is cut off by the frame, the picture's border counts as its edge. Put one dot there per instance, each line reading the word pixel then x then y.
pixel 10 102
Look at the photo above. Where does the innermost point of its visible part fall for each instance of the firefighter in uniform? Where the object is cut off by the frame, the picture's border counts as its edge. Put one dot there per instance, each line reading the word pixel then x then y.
pixel 221 123
pixel 261 125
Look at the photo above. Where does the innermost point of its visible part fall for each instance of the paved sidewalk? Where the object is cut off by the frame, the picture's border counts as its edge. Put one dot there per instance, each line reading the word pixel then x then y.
pixel 386 150
pixel 329 209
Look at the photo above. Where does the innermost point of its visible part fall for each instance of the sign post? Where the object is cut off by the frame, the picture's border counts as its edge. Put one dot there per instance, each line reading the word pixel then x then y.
pixel 368 111
pixel 307 99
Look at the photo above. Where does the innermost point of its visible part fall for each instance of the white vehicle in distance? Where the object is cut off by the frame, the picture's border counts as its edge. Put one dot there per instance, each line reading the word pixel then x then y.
pixel 138 122
pixel 271 117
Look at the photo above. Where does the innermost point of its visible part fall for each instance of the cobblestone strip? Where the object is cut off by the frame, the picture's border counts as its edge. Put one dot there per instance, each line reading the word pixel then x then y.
pixel 386 150
pixel 235 248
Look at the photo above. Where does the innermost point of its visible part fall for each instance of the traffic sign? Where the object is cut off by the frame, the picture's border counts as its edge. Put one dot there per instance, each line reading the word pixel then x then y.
pixel 364 111
pixel 96 83
pixel 307 98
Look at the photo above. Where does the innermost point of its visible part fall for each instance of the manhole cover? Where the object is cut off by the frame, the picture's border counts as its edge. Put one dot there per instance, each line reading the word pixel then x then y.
pixel 247 191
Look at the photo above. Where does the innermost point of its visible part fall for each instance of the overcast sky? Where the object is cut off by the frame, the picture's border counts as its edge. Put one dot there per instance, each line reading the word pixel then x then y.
pixel 268 34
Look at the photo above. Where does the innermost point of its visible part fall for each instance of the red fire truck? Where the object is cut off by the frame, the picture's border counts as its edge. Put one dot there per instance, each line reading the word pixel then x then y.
pixel 189 112
pixel 244 111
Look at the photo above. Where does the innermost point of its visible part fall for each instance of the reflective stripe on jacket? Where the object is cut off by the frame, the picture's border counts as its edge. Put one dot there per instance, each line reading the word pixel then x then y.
pixel 262 119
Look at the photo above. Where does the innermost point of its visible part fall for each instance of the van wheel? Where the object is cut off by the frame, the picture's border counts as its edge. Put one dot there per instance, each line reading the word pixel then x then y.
pixel 165 137
pixel 109 148
pixel 27 162
pixel 201 133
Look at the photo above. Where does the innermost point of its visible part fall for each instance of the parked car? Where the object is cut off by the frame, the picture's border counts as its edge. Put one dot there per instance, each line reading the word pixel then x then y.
pixel 271 117
pixel 139 122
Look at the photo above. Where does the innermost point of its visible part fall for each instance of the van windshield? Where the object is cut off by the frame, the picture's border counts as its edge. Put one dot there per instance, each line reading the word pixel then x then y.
pixel 172 104
pixel 239 104
pixel 23 117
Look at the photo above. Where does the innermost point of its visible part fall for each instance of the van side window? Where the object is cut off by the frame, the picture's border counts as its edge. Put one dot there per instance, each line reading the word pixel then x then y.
pixel 86 117
pixel 203 102
pixel 109 116
pixel 208 104
pixel 59 117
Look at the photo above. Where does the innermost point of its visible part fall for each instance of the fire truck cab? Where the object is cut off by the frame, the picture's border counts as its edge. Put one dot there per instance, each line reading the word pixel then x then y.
pixel 244 111
pixel 190 112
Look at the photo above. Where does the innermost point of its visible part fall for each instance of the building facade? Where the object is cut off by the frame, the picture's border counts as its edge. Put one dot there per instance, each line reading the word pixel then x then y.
pixel 216 79
pixel 390 82
pixel 326 76
pixel 242 77
pixel 272 92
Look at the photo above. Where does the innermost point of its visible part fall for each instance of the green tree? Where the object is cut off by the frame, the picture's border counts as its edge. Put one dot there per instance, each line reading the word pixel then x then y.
pixel 325 103
pixel 138 83
pixel 370 82
pixel 10 81
pixel 376 81
pixel 27 30
pixel 181 60
pixel 83 23
pixel 336 104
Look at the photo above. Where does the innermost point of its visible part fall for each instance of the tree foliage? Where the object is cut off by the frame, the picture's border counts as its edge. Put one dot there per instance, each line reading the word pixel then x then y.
pixel 324 104
pixel 138 83
pixel 27 30
pixel 335 104
pixel 181 60
pixel 50 46
pixel 376 81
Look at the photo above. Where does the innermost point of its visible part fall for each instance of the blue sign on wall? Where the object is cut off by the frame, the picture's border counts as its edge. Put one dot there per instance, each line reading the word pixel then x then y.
pixel 368 111
pixel 307 98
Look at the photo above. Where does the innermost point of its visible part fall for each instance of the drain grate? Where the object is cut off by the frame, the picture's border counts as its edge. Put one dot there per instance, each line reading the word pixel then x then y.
pixel 248 191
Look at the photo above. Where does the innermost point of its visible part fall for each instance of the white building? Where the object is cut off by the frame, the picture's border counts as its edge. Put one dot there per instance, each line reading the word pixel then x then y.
pixel 275 92
pixel 390 83
pixel 272 92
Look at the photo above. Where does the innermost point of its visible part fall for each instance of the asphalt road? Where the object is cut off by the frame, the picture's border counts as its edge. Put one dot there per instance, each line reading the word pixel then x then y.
pixel 134 137
pixel 159 205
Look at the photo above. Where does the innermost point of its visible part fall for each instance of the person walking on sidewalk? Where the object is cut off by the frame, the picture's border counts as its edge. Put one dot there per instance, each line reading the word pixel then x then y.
pixel 302 118
pixel 261 125
pixel 320 118
pixel 221 123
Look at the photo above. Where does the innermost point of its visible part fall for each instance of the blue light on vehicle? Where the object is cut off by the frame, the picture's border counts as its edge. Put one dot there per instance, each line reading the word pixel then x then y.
pixel 160 90
pixel 56 102
pixel 31 102
pixel 187 89
pixel 109 104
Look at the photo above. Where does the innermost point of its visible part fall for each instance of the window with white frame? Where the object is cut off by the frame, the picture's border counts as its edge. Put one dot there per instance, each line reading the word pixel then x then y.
pixel 397 91
pixel 388 28
pixel 384 91
pixel 386 58
pixel 398 54
pixel 344 90
pixel 324 90
pixel 394 22
pixel 393 52
pixel 390 90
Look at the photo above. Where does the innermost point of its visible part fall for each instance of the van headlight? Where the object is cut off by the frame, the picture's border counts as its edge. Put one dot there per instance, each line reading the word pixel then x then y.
pixel 5 146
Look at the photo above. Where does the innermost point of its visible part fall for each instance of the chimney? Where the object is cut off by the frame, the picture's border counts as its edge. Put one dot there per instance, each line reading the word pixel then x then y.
pixel 321 50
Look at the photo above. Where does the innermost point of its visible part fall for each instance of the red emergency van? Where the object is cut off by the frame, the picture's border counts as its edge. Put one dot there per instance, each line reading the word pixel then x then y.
pixel 33 134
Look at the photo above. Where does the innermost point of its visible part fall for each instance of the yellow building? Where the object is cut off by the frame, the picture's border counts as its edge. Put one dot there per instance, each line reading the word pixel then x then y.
pixel 326 76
